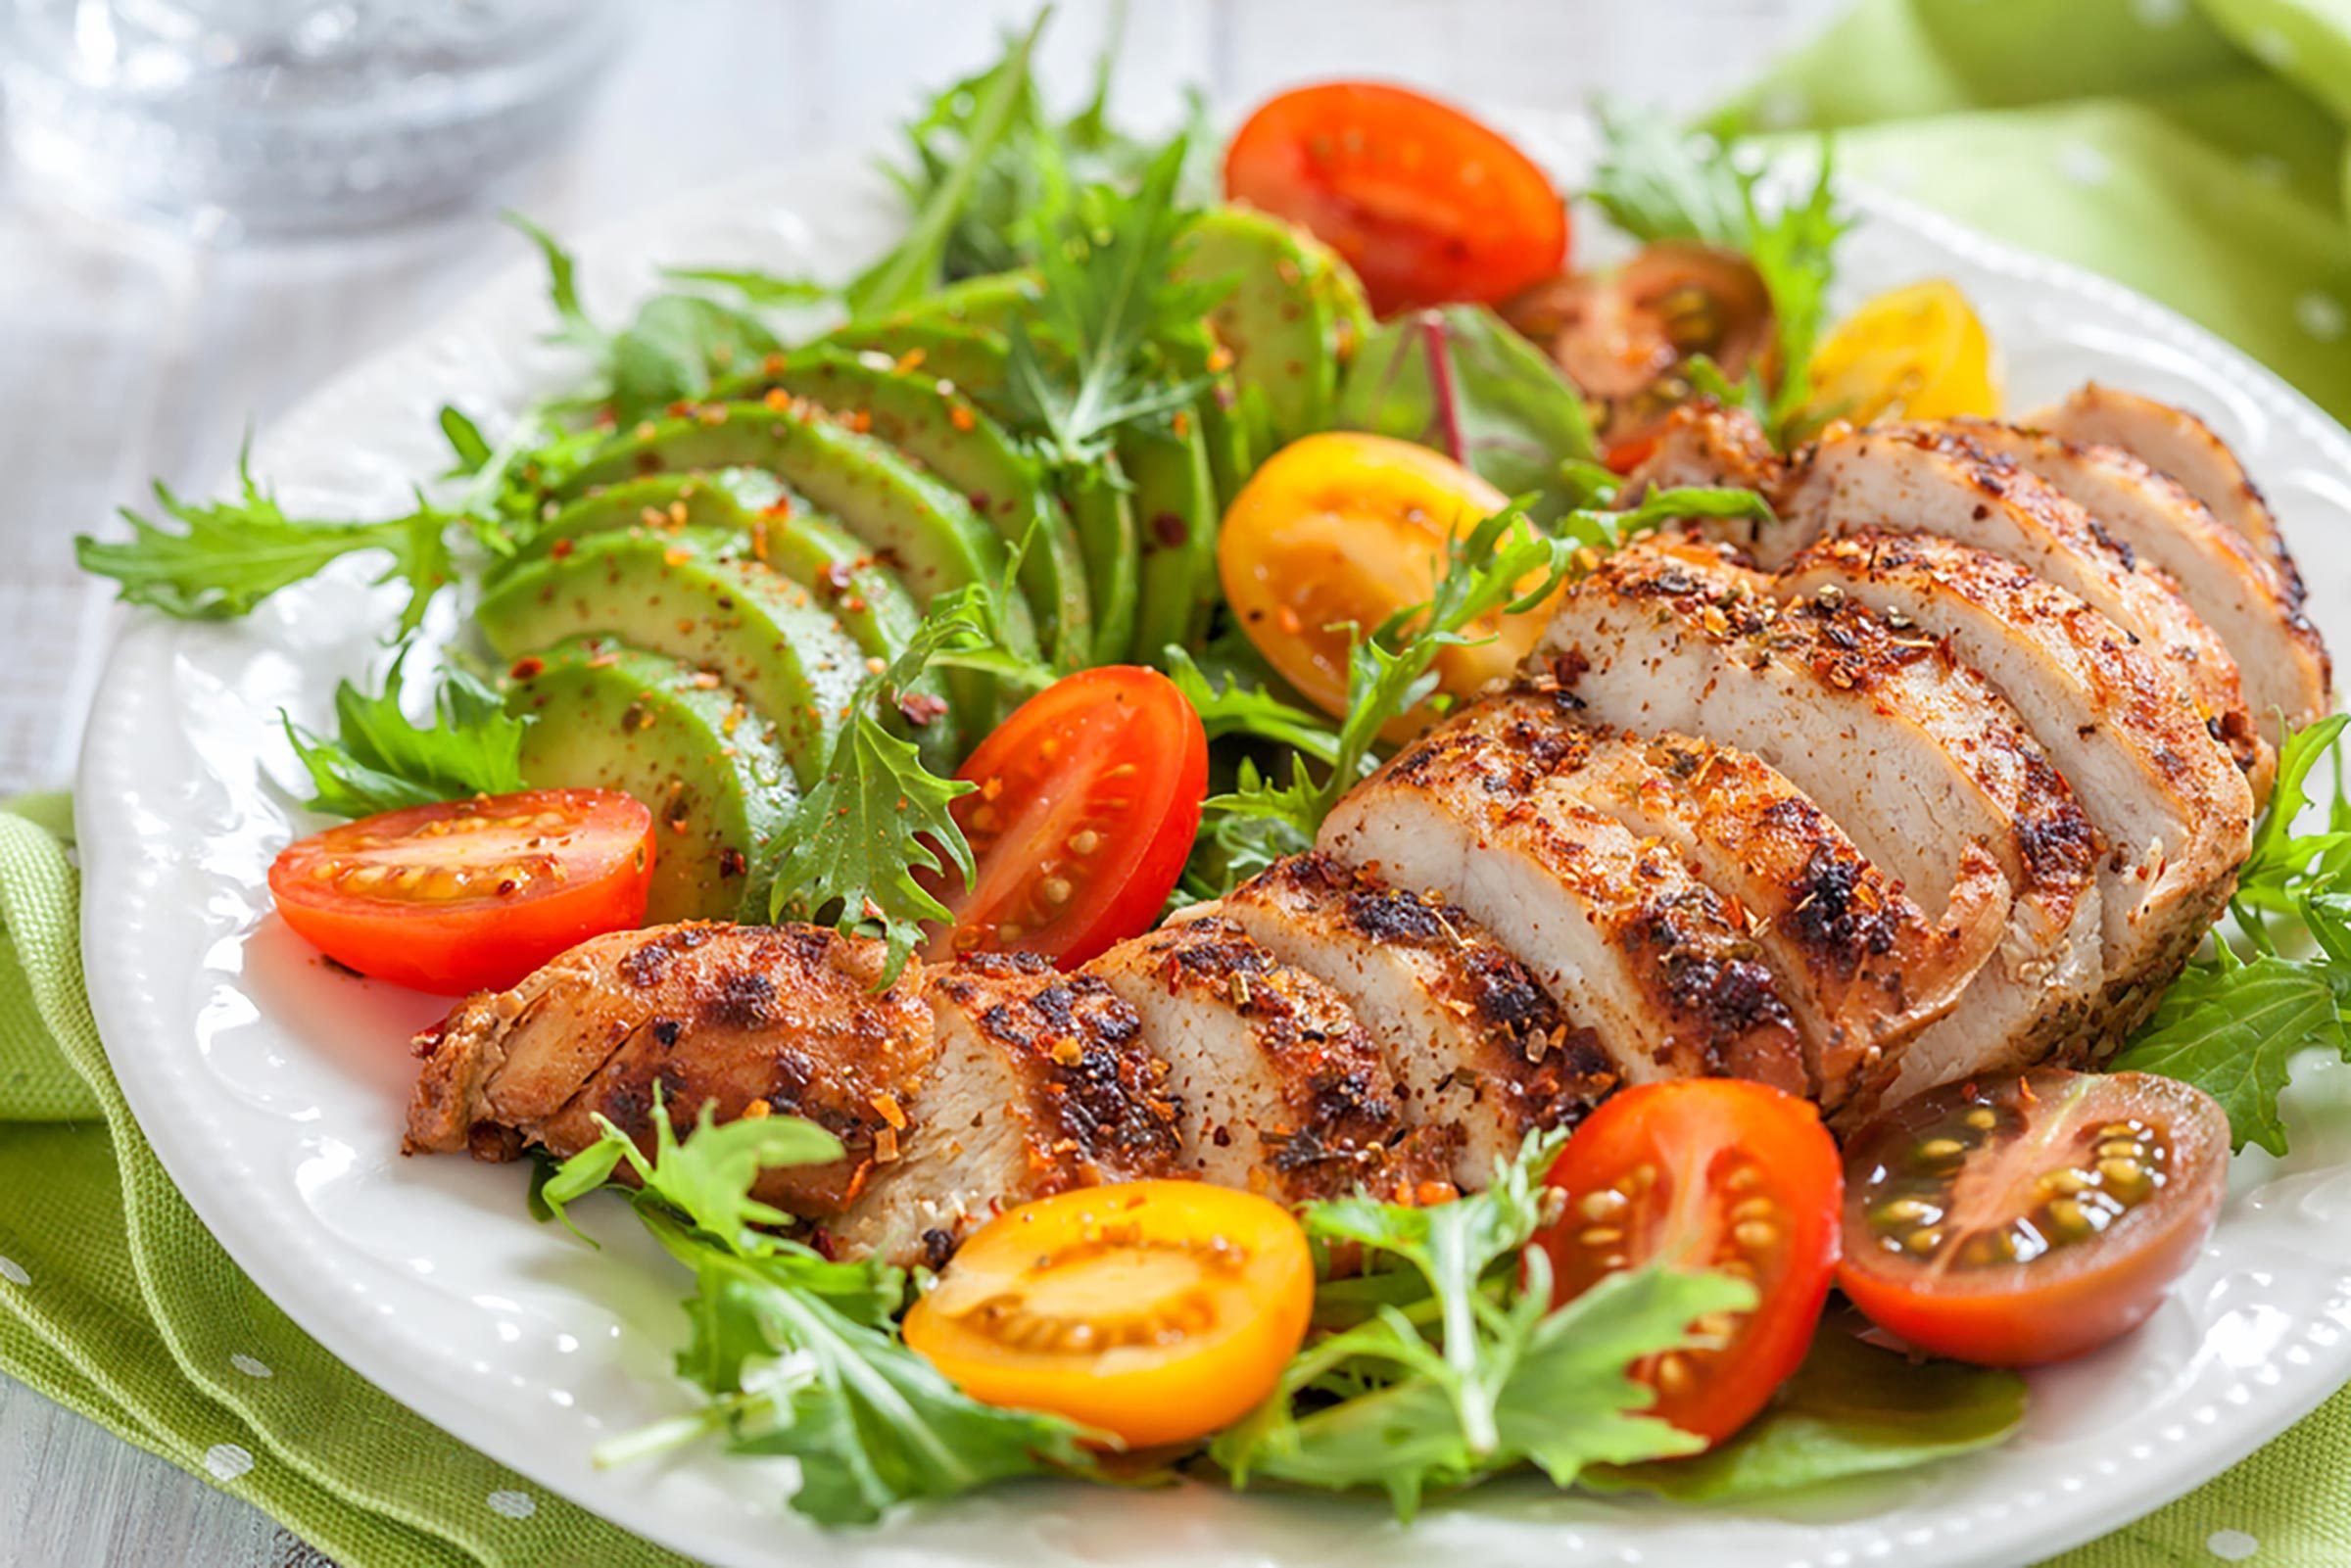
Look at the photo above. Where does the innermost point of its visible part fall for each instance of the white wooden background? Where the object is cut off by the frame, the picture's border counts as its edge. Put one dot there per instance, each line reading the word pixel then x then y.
pixel 127 355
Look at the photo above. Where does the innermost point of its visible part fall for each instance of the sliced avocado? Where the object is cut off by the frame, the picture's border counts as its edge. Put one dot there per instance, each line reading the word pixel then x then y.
pixel 1278 316
pixel 680 594
pixel 972 358
pixel 1176 513
pixel 770 530
pixel 989 300
pixel 939 426
pixel 1103 510
pixel 1218 411
pixel 612 717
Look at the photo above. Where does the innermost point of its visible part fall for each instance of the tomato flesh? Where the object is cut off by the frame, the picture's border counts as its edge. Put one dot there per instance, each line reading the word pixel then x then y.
pixel 2033 1219
pixel 1154 1311
pixel 474 894
pixel 1088 800
pixel 1706 1173
pixel 1914 353
pixel 1428 206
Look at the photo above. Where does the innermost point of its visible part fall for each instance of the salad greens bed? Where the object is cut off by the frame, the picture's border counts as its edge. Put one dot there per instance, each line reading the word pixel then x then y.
pixel 1445 1363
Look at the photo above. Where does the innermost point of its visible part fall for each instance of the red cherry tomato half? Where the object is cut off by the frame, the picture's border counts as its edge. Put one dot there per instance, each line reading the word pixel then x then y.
pixel 2034 1217
pixel 1088 801
pixel 473 894
pixel 1428 206
pixel 1706 1173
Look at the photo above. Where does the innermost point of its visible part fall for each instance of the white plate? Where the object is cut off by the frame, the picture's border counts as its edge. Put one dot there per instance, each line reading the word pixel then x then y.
pixel 274 1089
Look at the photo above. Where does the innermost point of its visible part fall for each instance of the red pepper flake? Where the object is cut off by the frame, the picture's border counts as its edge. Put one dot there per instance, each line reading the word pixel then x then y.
pixel 862 422
pixel 562 548
pixel 731 863
pixel 911 358
pixel 528 669
pixel 679 409
pixel 779 400
pixel 922 707
pixel 1171 529
pixel 961 417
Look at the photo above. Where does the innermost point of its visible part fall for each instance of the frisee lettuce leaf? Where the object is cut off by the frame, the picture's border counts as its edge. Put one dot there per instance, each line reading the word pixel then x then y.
pixel 2232 1024
pixel 381 760
pixel 1458 1367
pixel 798 1354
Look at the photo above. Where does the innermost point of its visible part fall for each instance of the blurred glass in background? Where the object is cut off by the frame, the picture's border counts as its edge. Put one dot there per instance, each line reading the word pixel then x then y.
pixel 238 118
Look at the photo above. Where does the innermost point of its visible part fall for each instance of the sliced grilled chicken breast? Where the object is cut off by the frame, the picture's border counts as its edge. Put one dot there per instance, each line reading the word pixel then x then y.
pixel 1042 1082
pixel 1473 1040
pixel 1861 967
pixel 2173 442
pixel 1617 931
pixel 743 1019
pixel 1703 443
pixel 1281 1091
pixel 1921 763
pixel 2279 658
pixel 2172 812
pixel 1912 480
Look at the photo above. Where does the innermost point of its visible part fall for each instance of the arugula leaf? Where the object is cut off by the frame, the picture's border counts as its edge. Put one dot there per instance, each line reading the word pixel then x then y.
pixel 1462 381
pixel 1851 1409
pixel 466 442
pixel 1232 709
pixel 381 760
pixel 230 556
pixel 798 1354
pixel 1658 184
pixel 1466 1370
pixel 756 287
pixel 2232 1026
pixel 879 821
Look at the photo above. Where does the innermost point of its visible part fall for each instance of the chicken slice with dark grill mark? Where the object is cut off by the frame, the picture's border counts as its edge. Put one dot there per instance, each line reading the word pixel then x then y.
pixel 1921 763
pixel 1616 930
pixel 1281 1091
pixel 746 1019
pixel 2172 812
pixel 2173 442
pixel 1928 479
pixel 1042 1083
pixel 1703 444
pixel 1859 963
pixel 2232 590
pixel 1473 1041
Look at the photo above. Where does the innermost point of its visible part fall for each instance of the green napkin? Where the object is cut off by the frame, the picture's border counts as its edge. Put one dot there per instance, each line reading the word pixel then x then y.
pixel 117 1303
pixel 2191 149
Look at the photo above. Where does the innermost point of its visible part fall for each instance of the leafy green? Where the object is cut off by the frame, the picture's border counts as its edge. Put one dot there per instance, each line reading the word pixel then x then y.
pixel 798 1354
pixel 230 556
pixel 1461 380
pixel 1458 1367
pixel 756 287
pixel 1851 1409
pixel 1658 184
pixel 1393 670
pixel 1231 708
pixel 466 442
pixel 381 759
pixel 2231 1024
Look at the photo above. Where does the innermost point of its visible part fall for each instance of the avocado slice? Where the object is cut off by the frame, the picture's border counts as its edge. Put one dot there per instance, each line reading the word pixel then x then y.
pixel 1281 318
pixel 612 717
pixel 970 357
pixel 1176 511
pixel 932 422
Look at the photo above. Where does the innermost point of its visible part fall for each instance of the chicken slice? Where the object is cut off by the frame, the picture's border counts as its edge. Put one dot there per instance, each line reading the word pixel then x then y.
pixel 1281 1091
pixel 1042 1083
pixel 1861 967
pixel 2173 442
pixel 1473 1042
pixel 783 1019
pixel 1701 443
pixel 1923 480
pixel 1921 763
pixel 1615 930
pixel 2236 593
pixel 2172 812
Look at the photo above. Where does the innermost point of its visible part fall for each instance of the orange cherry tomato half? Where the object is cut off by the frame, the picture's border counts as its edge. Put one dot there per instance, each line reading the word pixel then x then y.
pixel 1706 1173
pixel 470 895
pixel 1088 803
pixel 1153 1310
pixel 1428 206
pixel 2032 1218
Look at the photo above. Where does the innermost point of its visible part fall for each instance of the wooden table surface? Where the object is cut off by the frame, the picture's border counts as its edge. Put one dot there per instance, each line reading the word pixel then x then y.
pixel 127 355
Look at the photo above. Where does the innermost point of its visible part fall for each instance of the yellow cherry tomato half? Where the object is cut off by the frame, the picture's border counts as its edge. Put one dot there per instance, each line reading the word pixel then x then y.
pixel 1154 1311
pixel 1345 528
pixel 1915 352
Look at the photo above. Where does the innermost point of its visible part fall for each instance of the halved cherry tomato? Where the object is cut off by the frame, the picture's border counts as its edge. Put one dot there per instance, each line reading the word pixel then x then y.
pixel 473 894
pixel 2032 1218
pixel 1915 352
pixel 1152 1311
pixel 1342 529
pixel 1706 1173
pixel 1090 797
pixel 1428 206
